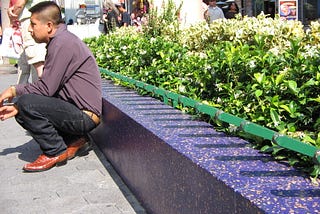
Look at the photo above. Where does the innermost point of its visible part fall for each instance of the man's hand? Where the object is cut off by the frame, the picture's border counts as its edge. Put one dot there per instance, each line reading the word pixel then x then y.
pixel 15 11
pixel 8 94
pixel 8 112
pixel 12 16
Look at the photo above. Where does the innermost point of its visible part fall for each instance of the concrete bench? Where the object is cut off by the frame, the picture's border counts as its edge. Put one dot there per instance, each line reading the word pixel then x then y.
pixel 174 164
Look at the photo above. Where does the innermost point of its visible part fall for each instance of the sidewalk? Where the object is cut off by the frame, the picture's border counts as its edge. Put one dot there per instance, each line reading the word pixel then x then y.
pixel 85 185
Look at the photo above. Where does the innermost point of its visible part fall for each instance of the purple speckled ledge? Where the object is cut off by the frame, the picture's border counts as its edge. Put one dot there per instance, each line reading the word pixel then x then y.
pixel 174 164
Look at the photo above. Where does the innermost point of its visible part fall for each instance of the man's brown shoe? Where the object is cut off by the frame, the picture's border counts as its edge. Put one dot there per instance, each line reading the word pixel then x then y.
pixel 45 162
pixel 77 147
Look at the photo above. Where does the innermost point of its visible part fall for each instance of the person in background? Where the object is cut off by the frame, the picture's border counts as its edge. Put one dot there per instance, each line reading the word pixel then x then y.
pixel 135 19
pixel 70 22
pixel 32 57
pixel 61 108
pixel 204 8
pixel 144 6
pixel 233 9
pixel 110 19
pixel 138 18
pixel 213 12
pixel 0 33
pixel 124 19
pixel 1 60
pixel 0 26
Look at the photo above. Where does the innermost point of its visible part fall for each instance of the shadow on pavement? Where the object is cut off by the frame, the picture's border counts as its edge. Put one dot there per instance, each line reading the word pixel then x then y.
pixel 28 151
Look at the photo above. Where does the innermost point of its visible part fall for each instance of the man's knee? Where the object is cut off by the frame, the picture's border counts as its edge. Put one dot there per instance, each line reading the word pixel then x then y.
pixel 26 101
pixel 22 104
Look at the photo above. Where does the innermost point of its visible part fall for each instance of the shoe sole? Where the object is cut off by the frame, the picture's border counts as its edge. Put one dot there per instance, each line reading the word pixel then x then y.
pixel 42 170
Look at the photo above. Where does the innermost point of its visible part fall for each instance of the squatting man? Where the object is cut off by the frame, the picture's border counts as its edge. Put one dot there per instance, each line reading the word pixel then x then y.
pixel 62 107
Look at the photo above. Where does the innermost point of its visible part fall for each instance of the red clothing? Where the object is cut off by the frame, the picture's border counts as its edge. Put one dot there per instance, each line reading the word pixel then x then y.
pixel 12 2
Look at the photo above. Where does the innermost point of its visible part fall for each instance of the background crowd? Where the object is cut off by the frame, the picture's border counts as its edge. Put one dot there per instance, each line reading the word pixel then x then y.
pixel 116 15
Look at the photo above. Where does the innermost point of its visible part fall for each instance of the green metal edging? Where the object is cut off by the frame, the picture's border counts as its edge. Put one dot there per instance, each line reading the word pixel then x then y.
pixel 174 99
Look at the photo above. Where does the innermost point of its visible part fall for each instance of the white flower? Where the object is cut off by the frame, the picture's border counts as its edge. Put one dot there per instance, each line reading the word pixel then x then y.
pixel 233 128
pixel 275 51
pixel 182 88
pixel 208 67
pixel 218 87
pixel 239 33
pixel 152 40
pixel 252 64
pixel 310 51
pixel 284 71
pixel 202 55
pixel 237 95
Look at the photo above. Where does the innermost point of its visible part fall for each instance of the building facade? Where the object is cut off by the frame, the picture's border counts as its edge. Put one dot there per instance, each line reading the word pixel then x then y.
pixel 307 10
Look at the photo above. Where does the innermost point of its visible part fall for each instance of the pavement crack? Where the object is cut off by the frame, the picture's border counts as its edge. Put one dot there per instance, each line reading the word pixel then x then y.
pixel 84 198
pixel 58 195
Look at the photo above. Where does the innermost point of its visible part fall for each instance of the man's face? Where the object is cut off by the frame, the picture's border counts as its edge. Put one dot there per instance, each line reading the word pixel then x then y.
pixel 119 8
pixel 212 3
pixel 39 30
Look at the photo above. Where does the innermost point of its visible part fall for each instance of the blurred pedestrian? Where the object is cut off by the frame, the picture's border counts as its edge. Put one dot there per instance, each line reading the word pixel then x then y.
pixel 110 19
pixel 124 18
pixel 33 55
pixel 232 11
pixel 1 60
pixel 213 12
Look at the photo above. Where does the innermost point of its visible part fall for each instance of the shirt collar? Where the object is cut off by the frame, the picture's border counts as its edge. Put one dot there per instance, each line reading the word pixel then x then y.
pixel 60 29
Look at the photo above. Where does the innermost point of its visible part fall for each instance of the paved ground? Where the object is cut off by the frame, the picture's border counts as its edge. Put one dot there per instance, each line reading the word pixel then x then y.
pixel 86 184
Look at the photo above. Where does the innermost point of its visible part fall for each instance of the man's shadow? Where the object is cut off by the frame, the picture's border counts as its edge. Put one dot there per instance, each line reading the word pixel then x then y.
pixel 27 152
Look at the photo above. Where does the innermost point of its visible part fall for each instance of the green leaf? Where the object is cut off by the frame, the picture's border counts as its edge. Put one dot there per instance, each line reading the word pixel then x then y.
pixel 309 83
pixel 277 149
pixel 258 93
pixel 315 99
pixel 275 100
pixel 279 78
pixel 291 127
pixel 285 107
pixel 293 86
pixel 275 117
pixel 308 139
pixel 259 77
pixel 293 161
pixel 266 148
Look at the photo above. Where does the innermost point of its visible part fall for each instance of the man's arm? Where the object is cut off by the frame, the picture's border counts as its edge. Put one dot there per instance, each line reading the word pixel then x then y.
pixel 222 14
pixel 7 111
pixel 126 19
pixel 16 9
pixel 9 93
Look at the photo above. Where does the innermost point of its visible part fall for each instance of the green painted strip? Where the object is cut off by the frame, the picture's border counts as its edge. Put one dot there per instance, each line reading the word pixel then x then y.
pixel 149 88
pixel 229 118
pixel 295 145
pixel 246 126
pixel 258 130
pixel 187 102
pixel 209 110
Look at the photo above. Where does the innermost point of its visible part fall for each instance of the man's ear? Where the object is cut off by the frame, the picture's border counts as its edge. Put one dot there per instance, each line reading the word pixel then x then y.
pixel 50 27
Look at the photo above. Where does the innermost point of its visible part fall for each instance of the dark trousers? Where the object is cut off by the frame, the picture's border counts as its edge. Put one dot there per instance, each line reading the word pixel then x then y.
pixel 52 122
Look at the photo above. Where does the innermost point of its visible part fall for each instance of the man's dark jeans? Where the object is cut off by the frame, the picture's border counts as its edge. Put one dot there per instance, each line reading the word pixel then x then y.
pixel 52 122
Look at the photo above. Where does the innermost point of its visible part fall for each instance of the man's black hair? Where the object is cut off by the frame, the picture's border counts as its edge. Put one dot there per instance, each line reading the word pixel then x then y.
pixel 55 16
